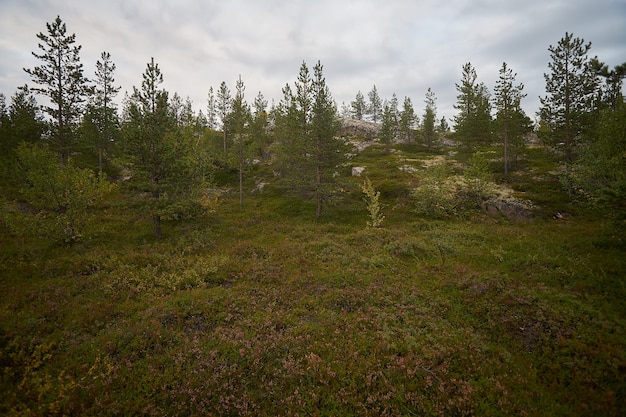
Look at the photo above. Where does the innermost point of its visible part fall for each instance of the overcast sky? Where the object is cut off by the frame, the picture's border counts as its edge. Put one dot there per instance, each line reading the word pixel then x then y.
pixel 401 46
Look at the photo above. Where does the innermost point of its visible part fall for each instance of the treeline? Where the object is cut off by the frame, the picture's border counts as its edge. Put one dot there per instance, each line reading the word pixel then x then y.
pixel 61 156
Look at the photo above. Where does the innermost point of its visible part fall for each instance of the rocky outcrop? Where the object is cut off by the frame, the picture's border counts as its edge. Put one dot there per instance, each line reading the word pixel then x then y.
pixel 359 128
pixel 357 171
pixel 509 208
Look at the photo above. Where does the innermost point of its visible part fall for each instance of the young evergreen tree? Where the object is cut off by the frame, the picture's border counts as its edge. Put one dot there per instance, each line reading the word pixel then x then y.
pixel 613 81
pixel 60 78
pixel 601 169
pixel 407 120
pixel 20 122
pixel 443 125
pixel 430 115
pixel 211 110
pixel 510 118
pixel 375 106
pixel 155 151
pixel 473 123
pixel 329 151
pixel 306 128
pixel 258 128
pixel 571 89
pixel 358 106
pixel 25 119
pixel 388 127
pixel 224 106
pixel 239 120
pixel 101 117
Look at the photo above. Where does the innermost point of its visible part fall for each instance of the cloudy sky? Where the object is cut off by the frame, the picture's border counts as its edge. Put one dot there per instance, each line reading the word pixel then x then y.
pixel 401 46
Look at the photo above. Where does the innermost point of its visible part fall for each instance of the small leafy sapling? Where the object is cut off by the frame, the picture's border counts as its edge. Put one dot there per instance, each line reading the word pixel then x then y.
pixel 373 204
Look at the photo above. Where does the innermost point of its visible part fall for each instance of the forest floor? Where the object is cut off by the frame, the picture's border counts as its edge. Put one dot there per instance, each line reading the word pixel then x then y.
pixel 263 310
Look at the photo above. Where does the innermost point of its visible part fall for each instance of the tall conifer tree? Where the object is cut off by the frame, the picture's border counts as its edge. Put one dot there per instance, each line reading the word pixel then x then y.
pixel 571 89
pixel 60 78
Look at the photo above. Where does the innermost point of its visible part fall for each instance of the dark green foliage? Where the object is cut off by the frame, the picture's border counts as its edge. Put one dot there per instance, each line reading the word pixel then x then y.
pixel 511 122
pixel 571 88
pixel 239 121
pixel 473 123
pixel 59 196
pixel 21 122
pixel 359 107
pixel 601 171
pixel 60 79
pixel 430 115
pixel 375 105
pixel 159 154
pixel 407 120
pixel 388 127
pixel 306 129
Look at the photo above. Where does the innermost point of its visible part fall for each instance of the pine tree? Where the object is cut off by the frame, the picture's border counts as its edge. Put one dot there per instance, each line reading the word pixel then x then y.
pixel 430 115
pixel 388 127
pixel 329 150
pixel 102 110
pixel 259 124
pixel 306 127
pixel 24 117
pixel 20 122
pixel 224 106
pixel 611 91
pixel 571 89
pixel 358 106
pixel 151 145
pixel 239 119
pixel 408 119
pixel 211 110
pixel 61 79
pixel 375 106
pixel 510 117
pixel 473 123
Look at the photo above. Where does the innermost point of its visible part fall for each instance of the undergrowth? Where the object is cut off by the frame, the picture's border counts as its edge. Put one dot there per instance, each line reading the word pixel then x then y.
pixel 263 310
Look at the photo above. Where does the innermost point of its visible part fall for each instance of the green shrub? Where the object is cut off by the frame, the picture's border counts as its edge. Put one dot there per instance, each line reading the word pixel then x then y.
pixel 373 204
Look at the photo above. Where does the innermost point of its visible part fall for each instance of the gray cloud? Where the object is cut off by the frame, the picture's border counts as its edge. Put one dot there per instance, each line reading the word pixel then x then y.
pixel 402 46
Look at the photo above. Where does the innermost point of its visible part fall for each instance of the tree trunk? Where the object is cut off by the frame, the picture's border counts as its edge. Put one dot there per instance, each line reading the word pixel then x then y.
pixel 100 161
pixel 156 218
pixel 320 197
pixel 506 153
pixel 156 226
